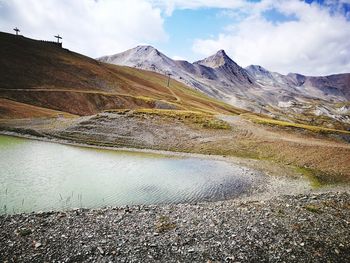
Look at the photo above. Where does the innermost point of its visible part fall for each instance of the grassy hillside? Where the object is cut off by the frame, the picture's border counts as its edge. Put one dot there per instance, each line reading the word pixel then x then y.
pixel 311 128
pixel 46 76
pixel 13 110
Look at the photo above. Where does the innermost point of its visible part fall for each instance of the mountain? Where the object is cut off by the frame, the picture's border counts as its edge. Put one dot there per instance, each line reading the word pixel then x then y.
pixel 145 57
pixel 263 76
pixel 40 78
pixel 213 76
pixel 334 87
pixel 323 100
pixel 149 58
pixel 226 69
pixel 223 64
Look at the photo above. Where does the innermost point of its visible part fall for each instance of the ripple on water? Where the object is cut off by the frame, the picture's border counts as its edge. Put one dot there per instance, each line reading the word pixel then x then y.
pixel 43 176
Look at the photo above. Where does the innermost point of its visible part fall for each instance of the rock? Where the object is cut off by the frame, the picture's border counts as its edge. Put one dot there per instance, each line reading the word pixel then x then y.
pixel 224 229
pixel 24 232
pixel 100 250
pixel 37 244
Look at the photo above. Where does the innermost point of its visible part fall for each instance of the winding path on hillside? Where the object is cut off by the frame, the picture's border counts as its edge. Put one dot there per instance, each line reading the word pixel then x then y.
pixel 177 98
pixel 249 129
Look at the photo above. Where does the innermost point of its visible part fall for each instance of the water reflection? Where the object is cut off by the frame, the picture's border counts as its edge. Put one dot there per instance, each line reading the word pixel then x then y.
pixel 43 176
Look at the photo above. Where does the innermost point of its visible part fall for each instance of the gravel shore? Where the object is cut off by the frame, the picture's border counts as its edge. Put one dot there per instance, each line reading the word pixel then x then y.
pixel 302 228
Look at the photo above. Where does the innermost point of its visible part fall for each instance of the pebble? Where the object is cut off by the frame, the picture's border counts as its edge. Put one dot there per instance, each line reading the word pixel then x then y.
pixel 100 250
pixel 37 244
pixel 206 232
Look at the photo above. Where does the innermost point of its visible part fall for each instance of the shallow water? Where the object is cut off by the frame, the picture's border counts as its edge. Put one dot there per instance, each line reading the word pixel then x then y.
pixel 40 176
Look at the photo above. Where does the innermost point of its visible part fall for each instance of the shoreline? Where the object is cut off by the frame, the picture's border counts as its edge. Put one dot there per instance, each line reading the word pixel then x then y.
pixel 305 227
pixel 247 162
pixel 308 225
pixel 275 184
pixel 228 158
pixel 116 148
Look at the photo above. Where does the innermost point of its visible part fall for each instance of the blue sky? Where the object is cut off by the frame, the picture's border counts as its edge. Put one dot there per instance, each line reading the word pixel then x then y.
pixel 183 26
pixel 310 37
pixel 186 25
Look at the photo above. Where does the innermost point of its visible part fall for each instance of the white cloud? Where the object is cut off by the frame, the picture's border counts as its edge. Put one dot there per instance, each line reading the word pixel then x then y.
pixel 316 43
pixel 178 57
pixel 170 5
pixel 91 27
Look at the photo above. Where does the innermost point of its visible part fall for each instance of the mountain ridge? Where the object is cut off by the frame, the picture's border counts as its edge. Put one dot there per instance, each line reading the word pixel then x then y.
pixel 220 58
pixel 49 79
pixel 253 88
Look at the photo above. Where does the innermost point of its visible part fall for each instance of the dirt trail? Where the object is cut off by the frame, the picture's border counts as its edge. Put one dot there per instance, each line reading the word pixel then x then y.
pixel 177 98
pixel 249 129
pixel 70 90
pixel 173 93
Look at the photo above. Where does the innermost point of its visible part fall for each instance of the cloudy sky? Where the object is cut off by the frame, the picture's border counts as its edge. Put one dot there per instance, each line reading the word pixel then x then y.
pixel 309 37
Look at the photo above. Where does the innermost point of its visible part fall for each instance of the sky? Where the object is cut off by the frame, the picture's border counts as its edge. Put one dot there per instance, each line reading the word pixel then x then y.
pixel 311 37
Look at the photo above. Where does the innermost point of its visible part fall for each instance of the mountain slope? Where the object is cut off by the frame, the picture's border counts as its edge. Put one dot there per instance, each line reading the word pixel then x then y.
pixel 333 87
pixel 214 81
pixel 145 57
pixel 226 68
pixel 294 97
pixel 45 75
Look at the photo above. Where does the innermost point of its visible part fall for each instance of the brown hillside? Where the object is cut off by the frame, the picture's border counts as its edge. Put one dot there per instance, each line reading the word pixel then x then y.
pixel 45 75
pixel 13 110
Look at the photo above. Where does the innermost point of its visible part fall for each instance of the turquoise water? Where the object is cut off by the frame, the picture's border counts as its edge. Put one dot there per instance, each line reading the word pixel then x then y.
pixel 41 176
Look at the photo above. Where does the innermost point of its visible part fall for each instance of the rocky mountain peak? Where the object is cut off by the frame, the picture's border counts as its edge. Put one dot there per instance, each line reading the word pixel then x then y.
pixel 145 47
pixel 145 50
pixel 221 53
pixel 219 59
pixel 142 56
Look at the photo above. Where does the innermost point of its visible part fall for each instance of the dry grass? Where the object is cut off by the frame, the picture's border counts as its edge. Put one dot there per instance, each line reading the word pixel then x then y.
pixel 316 129
pixel 188 98
pixel 58 79
pixel 313 209
pixel 203 120
pixel 72 83
pixel 164 224
pixel 14 110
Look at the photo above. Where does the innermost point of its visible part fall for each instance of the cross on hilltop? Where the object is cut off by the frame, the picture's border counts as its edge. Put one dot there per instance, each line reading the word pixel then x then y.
pixel 17 30
pixel 58 38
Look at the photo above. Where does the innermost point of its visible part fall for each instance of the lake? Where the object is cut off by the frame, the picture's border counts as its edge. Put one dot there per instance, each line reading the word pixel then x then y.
pixel 42 176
